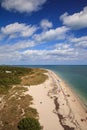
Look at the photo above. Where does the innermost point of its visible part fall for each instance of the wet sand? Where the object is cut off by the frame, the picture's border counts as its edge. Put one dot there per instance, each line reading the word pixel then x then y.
pixel 58 106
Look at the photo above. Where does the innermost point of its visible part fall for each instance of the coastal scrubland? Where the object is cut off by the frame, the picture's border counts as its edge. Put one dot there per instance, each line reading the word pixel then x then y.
pixel 18 75
pixel 37 99
pixel 14 104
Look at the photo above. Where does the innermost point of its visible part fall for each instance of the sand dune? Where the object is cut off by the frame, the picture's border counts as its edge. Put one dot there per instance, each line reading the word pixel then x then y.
pixel 58 107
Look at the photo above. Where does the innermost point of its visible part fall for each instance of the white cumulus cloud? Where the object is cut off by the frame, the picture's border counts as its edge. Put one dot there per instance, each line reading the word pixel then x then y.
pixel 77 20
pixel 27 6
pixel 45 24
pixel 18 30
pixel 48 55
pixel 80 41
pixel 52 34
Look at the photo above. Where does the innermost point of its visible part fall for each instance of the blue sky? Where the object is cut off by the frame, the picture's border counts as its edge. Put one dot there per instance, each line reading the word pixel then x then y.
pixel 43 32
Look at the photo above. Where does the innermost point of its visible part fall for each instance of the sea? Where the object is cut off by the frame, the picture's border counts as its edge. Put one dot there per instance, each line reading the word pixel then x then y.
pixel 74 75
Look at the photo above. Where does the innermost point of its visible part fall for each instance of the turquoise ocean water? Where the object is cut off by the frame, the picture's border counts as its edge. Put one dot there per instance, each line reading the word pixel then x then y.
pixel 74 75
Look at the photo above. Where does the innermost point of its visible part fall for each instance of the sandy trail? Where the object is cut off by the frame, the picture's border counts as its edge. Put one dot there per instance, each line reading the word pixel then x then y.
pixel 58 107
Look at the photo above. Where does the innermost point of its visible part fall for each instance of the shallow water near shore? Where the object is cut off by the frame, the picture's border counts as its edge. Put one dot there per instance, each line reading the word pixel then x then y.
pixel 74 75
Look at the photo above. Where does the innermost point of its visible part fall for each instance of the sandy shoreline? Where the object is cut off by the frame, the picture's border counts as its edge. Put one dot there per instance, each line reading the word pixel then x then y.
pixel 57 105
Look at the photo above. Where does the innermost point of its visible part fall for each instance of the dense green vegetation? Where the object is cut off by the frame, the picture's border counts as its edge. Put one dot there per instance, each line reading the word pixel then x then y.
pixel 11 76
pixel 29 124
pixel 16 103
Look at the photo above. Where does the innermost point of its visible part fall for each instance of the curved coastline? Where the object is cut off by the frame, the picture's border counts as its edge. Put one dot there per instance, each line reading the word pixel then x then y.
pixel 57 105
pixel 74 91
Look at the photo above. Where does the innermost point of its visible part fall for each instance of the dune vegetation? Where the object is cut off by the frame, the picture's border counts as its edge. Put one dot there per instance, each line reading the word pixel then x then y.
pixel 14 103
pixel 16 75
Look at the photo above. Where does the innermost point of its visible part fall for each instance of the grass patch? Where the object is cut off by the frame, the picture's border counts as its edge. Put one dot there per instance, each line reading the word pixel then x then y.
pixel 17 105
pixel 11 76
pixel 37 76
pixel 18 75
pixel 31 112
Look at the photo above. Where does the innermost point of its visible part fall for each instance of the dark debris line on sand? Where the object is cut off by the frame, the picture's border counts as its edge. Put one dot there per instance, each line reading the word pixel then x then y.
pixel 57 107
pixel 66 127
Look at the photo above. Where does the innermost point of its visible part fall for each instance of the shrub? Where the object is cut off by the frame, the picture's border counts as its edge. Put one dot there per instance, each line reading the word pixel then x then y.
pixel 29 124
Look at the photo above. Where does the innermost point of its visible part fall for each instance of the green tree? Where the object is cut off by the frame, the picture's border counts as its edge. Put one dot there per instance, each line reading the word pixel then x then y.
pixel 29 124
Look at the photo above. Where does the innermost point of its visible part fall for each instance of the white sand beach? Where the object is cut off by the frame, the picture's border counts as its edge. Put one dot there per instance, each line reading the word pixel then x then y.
pixel 58 106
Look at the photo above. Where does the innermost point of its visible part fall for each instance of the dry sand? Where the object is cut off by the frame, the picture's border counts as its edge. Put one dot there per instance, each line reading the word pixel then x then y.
pixel 58 107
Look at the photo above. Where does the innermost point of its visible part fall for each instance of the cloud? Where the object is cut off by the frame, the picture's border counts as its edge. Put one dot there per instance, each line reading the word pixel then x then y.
pixel 45 24
pixel 18 30
pixel 21 6
pixel 79 42
pixel 64 47
pixel 59 51
pixel 50 46
pixel 52 34
pixel 24 53
pixel 75 21
pixel 18 46
pixel 82 44
pixel 79 39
